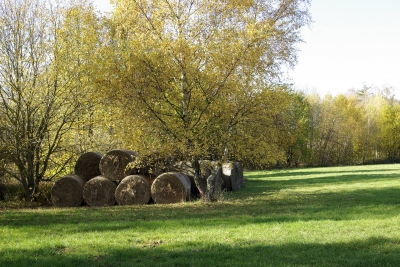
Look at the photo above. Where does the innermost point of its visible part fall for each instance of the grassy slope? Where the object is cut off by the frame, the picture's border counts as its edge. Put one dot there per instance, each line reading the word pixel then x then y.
pixel 344 216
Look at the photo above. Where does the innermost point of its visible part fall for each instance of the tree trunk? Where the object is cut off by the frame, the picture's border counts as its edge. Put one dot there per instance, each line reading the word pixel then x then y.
pixel 214 185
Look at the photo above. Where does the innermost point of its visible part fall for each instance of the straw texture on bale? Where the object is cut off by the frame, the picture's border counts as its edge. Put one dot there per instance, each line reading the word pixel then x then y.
pixel 113 165
pixel 171 187
pixel 230 176
pixel 87 165
pixel 67 191
pixel 239 167
pixel 133 190
pixel 214 184
pixel 99 191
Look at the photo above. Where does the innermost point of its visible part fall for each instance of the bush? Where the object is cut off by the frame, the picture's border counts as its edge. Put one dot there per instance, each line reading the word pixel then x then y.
pixel 43 197
pixel 12 195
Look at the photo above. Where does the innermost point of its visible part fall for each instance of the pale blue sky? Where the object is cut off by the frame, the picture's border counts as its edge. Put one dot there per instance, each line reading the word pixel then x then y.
pixel 351 42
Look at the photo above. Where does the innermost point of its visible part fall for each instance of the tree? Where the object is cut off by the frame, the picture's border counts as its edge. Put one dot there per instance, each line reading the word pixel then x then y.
pixel 38 90
pixel 328 130
pixel 80 39
pixel 389 124
pixel 190 69
pixel 294 129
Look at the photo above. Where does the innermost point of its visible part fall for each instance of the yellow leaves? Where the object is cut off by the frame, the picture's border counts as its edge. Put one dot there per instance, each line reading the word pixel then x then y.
pixel 389 123
pixel 196 71
pixel 241 3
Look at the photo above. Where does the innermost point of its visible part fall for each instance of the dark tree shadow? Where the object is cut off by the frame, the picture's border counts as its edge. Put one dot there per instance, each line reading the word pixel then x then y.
pixel 376 251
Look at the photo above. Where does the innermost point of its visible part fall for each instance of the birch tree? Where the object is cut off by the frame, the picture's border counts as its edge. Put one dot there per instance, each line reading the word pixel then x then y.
pixel 193 70
pixel 37 89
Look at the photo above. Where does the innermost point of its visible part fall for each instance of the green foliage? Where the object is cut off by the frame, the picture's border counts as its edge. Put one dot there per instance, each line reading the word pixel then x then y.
pixel 389 122
pixel 14 197
pixel 352 129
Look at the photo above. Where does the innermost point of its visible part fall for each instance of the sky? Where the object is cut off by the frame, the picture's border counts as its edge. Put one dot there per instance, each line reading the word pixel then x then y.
pixel 351 43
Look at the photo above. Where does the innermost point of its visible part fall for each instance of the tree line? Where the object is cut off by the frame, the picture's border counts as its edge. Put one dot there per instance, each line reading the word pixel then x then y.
pixel 359 127
pixel 187 80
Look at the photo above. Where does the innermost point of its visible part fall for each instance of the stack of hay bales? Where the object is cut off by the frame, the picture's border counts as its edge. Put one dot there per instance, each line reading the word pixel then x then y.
pixel 106 180
pixel 68 190
pixel 114 167
pixel 94 180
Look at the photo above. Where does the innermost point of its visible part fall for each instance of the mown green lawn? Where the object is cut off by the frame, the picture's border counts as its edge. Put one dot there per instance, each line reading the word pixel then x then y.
pixel 343 216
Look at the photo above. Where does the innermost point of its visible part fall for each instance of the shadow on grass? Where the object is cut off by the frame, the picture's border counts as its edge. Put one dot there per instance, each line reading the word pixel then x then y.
pixel 375 251
pixel 261 201
pixel 319 171
pixel 262 182
pixel 345 205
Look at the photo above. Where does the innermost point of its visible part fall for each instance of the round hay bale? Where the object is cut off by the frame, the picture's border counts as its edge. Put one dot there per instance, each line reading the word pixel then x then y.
pixel 99 191
pixel 133 190
pixel 230 176
pixel 171 187
pixel 67 191
pixel 214 185
pixel 226 177
pixel 239 167
pixel 87 165
pixel 113 165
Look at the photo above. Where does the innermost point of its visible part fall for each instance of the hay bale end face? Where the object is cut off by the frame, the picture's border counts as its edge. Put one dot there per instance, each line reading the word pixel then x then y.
pixel 214 184
pixel 239 167
pixel 99 191
pixel 133 190
pixel 87 165
pixel 113 165
pixel 68 191
pixel 231 177
pixel 171 187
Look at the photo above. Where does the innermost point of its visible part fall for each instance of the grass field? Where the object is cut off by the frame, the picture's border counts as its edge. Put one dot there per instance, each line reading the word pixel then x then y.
pixel 343 216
